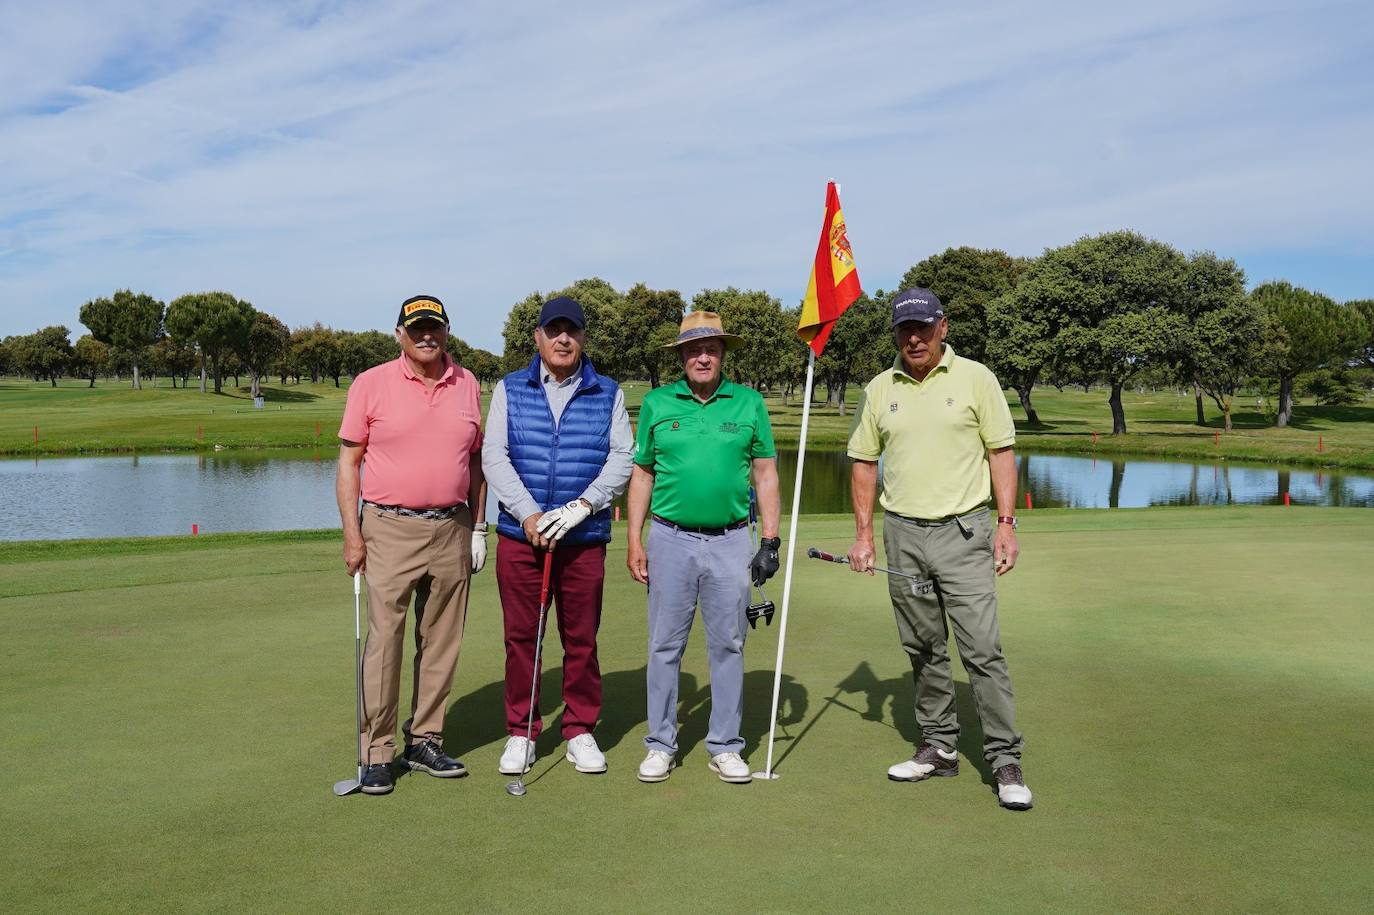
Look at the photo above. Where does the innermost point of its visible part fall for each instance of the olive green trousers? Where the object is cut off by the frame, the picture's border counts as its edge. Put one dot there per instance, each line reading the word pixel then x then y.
pixel 958 556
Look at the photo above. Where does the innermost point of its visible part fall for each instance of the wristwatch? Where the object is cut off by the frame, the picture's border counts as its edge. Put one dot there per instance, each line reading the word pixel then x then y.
pixel 1007 519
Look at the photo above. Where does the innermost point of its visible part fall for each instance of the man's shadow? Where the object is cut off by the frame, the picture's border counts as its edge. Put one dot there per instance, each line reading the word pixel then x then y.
pixel 893 701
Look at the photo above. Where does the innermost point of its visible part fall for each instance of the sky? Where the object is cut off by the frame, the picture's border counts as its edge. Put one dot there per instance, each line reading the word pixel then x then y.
pixel 326 160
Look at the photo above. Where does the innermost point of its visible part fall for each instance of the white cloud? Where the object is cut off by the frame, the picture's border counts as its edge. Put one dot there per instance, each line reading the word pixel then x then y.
pixel 327 160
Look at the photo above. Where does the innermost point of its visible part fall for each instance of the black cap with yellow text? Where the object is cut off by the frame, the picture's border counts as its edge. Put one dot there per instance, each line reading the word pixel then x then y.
pixel 419 308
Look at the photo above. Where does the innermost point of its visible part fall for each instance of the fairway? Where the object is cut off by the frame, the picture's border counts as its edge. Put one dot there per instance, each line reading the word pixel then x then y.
pixel 1195 686
pixel 73 418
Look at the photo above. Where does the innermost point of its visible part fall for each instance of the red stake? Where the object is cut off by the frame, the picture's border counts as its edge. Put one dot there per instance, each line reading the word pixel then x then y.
pixel 1319 443
pixel 195 530
pixel 317 430
pixel 1285 499
pixel 1216 437
pixel 1028 501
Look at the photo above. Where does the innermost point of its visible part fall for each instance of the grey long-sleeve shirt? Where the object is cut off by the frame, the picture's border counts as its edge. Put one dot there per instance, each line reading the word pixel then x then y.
pixel 501 477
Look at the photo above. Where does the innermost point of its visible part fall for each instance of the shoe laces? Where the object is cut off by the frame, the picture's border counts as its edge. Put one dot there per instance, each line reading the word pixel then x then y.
pixel 1010 774
pixel 726 759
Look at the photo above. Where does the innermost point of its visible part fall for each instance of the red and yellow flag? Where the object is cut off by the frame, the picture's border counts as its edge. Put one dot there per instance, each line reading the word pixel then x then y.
pixel 834 283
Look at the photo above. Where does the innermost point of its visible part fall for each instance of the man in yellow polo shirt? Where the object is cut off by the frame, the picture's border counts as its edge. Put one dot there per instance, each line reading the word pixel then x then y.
pixel 945 434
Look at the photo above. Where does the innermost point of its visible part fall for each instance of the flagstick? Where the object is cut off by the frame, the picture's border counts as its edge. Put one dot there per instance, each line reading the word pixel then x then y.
pixel 768 773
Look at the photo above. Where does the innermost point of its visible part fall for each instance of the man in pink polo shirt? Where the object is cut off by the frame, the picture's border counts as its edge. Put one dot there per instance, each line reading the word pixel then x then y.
pixel 412 447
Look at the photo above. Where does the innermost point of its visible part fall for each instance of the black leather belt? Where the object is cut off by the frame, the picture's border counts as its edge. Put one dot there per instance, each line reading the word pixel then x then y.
pixel 708 531
pixel 429 514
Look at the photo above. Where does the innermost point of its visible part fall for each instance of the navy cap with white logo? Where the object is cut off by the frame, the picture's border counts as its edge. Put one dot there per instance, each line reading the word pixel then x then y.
pixel 916 304
pixel 562 307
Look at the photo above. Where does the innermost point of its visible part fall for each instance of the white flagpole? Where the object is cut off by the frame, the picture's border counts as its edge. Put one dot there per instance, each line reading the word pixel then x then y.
pixel 768 773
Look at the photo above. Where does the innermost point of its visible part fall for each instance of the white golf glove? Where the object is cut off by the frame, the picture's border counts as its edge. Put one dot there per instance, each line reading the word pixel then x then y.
pixel 479 550
pixel 560 520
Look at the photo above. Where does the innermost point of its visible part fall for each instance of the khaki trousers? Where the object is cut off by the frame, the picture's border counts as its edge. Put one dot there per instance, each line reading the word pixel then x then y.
pixel 962 564
pixel 431 560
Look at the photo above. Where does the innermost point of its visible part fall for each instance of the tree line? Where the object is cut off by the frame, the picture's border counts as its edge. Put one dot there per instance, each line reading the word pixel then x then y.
pixel 212 334
pixel 1115 310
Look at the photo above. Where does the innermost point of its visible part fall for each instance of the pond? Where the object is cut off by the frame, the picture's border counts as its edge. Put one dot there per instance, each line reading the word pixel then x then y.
pixel 146 495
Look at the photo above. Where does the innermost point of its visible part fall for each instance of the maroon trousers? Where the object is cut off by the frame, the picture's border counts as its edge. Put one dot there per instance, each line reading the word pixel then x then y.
pixel 575 589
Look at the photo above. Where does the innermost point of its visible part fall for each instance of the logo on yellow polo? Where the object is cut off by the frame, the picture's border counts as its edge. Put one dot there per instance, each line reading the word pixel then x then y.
pixel 423 305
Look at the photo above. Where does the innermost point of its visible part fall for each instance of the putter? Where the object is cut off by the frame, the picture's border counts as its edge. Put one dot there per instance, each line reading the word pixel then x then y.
pixel 919 586
pixel 764 607
pixel 350 785
pixel 517 788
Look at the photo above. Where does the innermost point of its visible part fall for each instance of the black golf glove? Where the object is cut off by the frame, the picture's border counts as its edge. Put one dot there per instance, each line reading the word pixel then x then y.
pixel 765 564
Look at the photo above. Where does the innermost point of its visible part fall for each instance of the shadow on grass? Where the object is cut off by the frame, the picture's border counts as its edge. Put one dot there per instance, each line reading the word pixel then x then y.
pixel 271 395
pixel 891 702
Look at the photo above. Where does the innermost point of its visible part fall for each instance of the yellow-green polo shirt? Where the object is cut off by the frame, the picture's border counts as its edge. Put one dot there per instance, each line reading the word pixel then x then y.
pixel 701 453
pixel 933 435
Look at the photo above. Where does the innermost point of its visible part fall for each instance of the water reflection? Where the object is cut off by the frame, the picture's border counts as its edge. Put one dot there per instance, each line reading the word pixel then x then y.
pixel 143 495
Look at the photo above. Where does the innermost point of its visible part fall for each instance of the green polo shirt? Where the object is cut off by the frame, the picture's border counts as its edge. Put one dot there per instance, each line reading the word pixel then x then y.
pixel 933 435
pixel 701 453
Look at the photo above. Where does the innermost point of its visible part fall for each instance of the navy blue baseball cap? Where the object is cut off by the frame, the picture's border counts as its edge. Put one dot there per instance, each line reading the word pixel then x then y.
pixel 562 307
pixel 916 304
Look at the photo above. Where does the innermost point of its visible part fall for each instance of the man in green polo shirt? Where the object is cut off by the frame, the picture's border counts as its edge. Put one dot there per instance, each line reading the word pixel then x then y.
pixel 943 429
pixel 698 443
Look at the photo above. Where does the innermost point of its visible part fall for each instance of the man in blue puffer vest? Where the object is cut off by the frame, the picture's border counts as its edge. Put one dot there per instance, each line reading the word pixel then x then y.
pixel 558 450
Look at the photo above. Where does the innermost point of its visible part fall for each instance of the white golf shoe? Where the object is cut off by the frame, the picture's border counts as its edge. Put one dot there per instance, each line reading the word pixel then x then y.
pixel 585 755
pixel 731 767
pixel 656 766
pixel 1012 792
pixel 518 756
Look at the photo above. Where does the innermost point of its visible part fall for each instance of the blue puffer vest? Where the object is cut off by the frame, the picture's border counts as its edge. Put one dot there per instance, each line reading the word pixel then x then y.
pixel 557 462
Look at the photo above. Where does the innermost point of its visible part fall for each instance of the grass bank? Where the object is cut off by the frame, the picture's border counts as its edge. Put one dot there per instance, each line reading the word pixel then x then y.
pixel 1194 685
pixel 74 418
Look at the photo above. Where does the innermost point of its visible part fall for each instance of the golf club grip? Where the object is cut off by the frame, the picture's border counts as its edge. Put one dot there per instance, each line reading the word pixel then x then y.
pixel 357 583
pixel 828 557
pixel 548 570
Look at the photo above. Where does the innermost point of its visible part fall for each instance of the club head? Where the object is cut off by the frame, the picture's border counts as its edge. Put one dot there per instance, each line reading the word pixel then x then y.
pixel 346 787
pixel 763 609
pixel 516 788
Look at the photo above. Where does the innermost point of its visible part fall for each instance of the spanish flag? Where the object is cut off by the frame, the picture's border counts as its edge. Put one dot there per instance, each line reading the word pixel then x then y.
pixel 834 283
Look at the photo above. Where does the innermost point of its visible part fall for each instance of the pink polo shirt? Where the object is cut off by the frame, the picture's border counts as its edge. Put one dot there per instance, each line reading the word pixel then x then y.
pixel 417 440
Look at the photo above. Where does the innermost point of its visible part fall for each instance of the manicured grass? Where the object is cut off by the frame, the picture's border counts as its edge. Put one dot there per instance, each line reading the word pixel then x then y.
pixel 1195 687
pixel 73 418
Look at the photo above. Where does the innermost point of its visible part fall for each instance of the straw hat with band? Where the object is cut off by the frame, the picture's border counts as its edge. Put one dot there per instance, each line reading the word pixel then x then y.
pixel 702 325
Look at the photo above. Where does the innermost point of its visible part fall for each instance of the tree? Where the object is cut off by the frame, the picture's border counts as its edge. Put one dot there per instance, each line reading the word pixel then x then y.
pixel 1364 311
pixel 128 322
pixel 215 321
pixel 46 354
pixel 645 322
pixel 1313 331
pixel 263 344
pixel 485 365
pixel 965 280
pixel 757 317
pixel 1111 305
pixel 315 350
pixel 90 357
pixel 361 351
pixel 176 359
pixel 1225 336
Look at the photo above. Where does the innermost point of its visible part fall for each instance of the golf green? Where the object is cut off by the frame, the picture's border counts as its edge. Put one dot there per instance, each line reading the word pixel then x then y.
pixel 1195 685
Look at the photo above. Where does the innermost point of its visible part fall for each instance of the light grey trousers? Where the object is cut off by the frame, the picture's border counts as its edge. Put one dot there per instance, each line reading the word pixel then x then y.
pixel 685 568
pixel 961 561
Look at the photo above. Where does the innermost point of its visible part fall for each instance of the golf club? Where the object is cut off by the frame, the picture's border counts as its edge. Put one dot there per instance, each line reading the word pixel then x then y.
pixel 918 585
pixel 764 607
pixel 517 787
pixel 349 785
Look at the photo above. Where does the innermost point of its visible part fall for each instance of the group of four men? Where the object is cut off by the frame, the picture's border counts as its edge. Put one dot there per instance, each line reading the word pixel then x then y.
pixel 559 449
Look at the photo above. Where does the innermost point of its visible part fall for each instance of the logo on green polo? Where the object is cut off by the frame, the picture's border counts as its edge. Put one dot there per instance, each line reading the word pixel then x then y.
pixel 729 428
